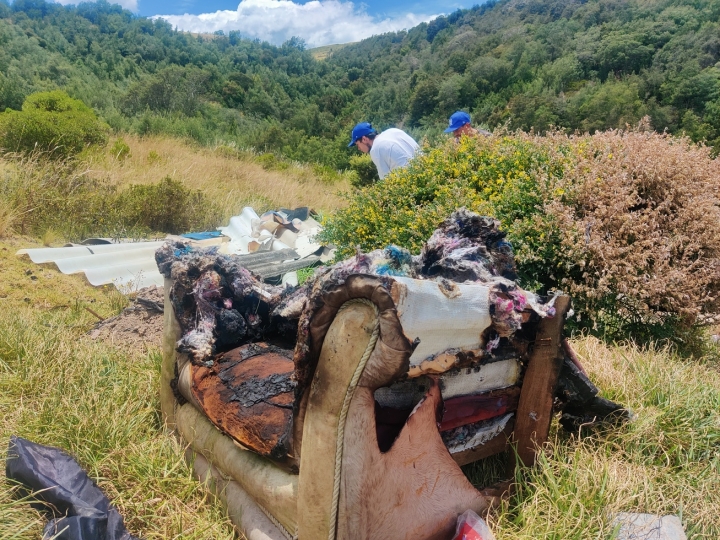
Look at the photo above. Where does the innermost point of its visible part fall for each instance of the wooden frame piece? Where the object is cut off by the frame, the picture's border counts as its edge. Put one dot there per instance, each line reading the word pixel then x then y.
pixel 534 414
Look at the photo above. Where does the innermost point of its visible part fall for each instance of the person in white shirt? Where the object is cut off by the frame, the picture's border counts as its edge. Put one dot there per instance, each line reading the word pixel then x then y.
pixel 389 150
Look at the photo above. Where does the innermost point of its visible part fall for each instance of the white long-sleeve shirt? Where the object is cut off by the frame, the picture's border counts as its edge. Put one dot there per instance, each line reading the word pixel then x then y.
pixel 391 149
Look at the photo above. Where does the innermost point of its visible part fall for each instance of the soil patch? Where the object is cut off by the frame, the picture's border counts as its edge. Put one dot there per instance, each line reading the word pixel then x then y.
pixel 139 328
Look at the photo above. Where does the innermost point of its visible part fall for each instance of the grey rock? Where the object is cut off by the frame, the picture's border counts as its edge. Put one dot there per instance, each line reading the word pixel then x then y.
pixel 648 527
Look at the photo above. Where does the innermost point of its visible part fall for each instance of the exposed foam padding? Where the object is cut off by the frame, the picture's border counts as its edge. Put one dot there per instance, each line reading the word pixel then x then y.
pixel 445 315
pixel 483 378
pixel 458 382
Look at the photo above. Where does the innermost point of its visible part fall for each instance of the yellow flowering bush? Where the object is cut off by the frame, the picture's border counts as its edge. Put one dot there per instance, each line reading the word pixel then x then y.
pixel 509 177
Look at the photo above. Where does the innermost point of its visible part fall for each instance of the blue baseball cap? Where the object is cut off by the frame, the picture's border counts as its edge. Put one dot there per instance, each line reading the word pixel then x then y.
pixel 360 131
pixel 458 120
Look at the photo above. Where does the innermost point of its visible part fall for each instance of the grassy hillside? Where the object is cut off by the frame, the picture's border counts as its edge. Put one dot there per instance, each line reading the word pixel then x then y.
pixel 153 185
pixel 230 177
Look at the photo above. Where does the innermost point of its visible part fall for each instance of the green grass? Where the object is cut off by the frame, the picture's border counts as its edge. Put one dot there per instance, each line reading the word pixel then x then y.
pixel 100 403
pixel 17 520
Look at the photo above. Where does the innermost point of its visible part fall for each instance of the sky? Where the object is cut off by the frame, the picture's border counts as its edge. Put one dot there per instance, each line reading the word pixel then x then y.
pixel 318 22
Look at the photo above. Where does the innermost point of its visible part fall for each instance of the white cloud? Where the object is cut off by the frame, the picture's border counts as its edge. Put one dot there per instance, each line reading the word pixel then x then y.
pixel 319 22
pixel 132 5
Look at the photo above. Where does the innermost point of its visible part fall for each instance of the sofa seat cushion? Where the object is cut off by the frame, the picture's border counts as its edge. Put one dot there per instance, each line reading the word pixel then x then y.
pixel 248 393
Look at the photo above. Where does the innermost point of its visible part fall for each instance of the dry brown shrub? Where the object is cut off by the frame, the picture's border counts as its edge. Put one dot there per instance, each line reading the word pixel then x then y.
pixel 644 223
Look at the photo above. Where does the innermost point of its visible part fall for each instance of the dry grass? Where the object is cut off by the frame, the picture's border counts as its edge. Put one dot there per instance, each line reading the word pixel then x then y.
pixel 664 462
pixel 228 177
pixel 162 186
pixel 8 215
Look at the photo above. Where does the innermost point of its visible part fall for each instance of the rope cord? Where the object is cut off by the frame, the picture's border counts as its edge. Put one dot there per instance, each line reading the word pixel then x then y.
pixel 346 406
pixel 277 524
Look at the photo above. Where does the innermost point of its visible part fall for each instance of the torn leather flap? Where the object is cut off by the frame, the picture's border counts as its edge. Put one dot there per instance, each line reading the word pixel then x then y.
pixel 80 509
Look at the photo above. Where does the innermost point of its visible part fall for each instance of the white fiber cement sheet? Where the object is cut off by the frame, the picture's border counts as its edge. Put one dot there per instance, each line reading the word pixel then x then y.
pixel 44 255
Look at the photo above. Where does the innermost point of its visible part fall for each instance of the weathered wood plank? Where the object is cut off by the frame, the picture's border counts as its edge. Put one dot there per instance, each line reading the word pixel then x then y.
pixel 534 412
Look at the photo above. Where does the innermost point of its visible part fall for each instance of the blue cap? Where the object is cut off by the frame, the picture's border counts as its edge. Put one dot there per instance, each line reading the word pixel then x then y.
pixel 458 120
pixel 359 131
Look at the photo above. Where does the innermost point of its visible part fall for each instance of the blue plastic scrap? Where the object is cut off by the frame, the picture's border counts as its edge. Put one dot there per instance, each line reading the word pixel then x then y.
pixel 207 235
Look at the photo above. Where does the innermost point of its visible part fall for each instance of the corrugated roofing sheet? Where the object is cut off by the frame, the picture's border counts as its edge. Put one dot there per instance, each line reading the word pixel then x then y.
pixel 131 265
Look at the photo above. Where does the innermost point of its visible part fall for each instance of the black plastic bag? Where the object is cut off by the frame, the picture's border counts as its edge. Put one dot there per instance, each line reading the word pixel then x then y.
pixel 79 509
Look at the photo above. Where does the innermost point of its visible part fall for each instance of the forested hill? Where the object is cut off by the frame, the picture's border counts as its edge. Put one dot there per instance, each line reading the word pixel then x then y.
pixel 584 65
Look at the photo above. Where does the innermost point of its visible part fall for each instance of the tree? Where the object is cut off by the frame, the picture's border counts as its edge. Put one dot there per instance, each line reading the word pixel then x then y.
pixel 424 100
pixel 52 122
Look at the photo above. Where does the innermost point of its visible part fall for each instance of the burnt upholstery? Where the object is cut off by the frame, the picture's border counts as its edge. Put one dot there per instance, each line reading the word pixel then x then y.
pixel 325 472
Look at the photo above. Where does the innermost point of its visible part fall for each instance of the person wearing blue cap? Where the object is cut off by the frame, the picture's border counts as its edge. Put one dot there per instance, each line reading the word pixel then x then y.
pixel 388 150
pixel 460 125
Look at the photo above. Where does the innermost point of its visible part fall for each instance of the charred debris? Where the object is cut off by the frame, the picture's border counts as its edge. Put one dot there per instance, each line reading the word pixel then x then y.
pixel 221 304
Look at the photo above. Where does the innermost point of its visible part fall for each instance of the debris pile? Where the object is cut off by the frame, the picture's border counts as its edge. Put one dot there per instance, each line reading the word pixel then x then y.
pixel 283 235
pixel 477 349
pixel 139 326
pixel 220 304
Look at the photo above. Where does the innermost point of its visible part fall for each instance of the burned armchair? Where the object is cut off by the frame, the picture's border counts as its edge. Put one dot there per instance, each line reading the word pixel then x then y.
pixel 343 408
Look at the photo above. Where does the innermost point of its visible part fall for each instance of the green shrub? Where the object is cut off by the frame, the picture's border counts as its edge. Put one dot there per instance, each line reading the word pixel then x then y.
pixel 120 149
pixel 326 174
pixel 626 222
pixel 506 177
pixel 51 122
pixel 365 171
pixel 270 162
pixel 167 206
pixel 153 157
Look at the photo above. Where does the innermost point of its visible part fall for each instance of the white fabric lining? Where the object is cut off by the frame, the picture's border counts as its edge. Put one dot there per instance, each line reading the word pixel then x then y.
pixel 406 394
pixel 489 377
